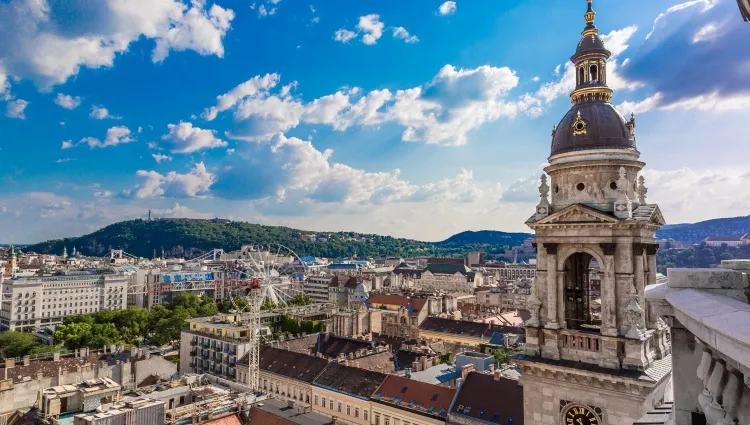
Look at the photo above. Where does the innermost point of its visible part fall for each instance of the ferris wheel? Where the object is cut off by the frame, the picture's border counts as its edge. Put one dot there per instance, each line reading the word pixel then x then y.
pixel 267 276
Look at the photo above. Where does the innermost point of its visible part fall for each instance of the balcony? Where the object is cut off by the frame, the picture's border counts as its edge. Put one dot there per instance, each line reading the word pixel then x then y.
pixel 709 316
pixel 193 342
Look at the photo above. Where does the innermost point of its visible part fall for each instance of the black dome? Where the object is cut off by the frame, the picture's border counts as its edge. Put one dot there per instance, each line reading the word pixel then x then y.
pixel 605 129
pixel 591 44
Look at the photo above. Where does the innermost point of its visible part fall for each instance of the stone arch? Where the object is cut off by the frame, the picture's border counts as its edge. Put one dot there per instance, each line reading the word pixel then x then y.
pixel 581 303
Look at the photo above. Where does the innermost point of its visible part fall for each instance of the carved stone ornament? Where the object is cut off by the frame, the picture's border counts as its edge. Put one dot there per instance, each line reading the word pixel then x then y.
pixel 623 204
pixel 543 207
pixel 551 248
pixel 634 312
pixel 534 306
pixel 579 125
pixel 652 248
pixel 642 190
pixel 608 248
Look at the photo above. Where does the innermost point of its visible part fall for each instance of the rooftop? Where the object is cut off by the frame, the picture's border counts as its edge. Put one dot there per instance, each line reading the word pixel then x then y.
pixel 432 400
pixel 290 364
pixel 350 380
pixel 437 375
pixel 484 397
pixel 277 412
pixel 465 328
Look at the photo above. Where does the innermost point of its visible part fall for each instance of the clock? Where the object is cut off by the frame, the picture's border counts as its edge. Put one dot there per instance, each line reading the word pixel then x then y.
pixel 580 415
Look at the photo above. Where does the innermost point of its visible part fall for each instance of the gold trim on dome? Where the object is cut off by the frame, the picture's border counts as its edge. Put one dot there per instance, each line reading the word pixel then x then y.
pixel 579 126
pixel 601 93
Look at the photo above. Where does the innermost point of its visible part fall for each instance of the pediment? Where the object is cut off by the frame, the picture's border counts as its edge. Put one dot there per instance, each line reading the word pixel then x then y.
pixel 578 214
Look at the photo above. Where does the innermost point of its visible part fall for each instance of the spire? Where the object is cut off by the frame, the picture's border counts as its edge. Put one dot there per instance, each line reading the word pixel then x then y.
pixel 65 252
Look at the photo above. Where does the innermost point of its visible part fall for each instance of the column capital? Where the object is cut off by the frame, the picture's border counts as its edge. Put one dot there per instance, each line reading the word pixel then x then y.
pixel 638 248
pixel 608 248
pixel 551 248
pixel 533 244
pixel 652 248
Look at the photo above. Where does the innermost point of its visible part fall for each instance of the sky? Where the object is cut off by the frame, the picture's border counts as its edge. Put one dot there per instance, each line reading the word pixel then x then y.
pixel 415 119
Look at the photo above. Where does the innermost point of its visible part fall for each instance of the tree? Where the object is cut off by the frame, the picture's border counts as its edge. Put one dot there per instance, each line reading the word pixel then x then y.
pixel 16 344
pixel 103 334
pixel 502 355
pixel 74 335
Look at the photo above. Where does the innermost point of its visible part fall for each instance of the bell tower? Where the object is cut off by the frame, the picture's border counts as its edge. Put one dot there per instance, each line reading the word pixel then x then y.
pixel 593 355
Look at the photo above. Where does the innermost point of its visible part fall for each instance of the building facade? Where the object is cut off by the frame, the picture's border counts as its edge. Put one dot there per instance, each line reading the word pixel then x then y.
pixel 316 287
pixel 33 302
pixel 213 345
pixel 344 392
pixel 597 361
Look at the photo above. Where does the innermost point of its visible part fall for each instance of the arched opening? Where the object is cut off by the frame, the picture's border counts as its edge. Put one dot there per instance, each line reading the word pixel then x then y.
pixel 582 293
pixel 580 75
pixel 594 73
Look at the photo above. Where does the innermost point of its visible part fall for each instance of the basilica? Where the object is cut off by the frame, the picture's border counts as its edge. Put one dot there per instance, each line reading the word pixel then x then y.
pixel 593 354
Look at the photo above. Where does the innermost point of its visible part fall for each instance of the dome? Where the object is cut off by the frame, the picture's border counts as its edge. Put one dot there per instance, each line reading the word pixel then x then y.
pixel 591 44
pixel 595 125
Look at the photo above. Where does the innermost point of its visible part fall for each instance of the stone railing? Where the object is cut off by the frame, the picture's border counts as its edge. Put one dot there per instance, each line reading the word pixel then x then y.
pixel 709 316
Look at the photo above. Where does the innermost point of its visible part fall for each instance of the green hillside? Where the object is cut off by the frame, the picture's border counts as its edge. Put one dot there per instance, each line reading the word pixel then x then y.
pixel 192 237
pixel 697 232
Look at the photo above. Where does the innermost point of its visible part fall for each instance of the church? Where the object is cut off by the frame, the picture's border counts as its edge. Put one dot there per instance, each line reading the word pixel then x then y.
pixel 593 354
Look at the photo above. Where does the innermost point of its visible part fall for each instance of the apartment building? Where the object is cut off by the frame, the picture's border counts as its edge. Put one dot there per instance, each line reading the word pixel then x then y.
pixel 29 303
pixel 213 345
pixel 316 287
pixel 344 392
pixel 403 401
pixel 163 285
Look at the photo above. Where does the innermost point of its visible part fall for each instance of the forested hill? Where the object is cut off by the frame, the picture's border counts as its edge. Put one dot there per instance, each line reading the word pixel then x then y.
pixel 696 232
pixel 487 237
pixel 191 237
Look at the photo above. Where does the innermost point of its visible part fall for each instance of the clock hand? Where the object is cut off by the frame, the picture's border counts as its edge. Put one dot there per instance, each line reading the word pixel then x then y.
pixel 580 421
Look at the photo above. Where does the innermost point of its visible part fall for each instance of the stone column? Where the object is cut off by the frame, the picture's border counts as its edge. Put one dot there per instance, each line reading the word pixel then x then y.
pixel 640 280
pixel 552 322
pixel 609 298
pixel 651 250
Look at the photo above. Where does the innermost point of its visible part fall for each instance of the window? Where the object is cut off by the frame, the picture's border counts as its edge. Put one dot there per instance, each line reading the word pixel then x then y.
pixel 316 399
pixel 330 404
pixel 365 413
pixel 339 407
pixel 356 412
pixel 377 419
pixel 348 410
pixel 324 402
pixel 387 420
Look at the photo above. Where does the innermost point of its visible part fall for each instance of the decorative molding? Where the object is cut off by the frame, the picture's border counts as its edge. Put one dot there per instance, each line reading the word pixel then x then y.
pixel 608 248
pixel 578 214
pixel 551 248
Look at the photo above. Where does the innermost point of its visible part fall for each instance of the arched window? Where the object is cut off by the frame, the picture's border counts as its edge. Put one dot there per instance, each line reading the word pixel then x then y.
pixel 582 294
pixel 593 73
pixel 580 75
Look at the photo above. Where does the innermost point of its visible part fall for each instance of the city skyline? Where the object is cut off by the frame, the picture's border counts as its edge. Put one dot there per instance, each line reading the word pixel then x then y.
pixel 415 121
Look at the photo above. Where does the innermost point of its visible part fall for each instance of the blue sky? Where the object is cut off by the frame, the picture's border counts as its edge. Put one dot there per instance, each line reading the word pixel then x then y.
pixel 416 119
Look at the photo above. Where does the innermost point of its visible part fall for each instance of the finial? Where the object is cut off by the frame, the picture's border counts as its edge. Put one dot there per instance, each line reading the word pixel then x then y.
pixel 632 115
pixel 642 190
pixel 554 129
pixel 590 14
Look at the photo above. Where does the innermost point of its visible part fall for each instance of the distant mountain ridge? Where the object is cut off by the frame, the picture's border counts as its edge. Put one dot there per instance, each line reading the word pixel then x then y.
pixel 192 237
pixel 696 232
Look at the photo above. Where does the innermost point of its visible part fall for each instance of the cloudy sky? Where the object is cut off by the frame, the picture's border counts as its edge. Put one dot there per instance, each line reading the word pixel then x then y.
pixel 417 119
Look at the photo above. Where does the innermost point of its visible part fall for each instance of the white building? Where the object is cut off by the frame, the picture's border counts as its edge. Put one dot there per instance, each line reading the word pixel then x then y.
pixel 316 287
pixel 213 345
pixel 723 240
pixel 32 302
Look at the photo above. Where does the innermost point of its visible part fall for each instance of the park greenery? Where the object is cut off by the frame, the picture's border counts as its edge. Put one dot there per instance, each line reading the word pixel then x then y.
pixel 698 256
pixel 192 237
pixel 132 326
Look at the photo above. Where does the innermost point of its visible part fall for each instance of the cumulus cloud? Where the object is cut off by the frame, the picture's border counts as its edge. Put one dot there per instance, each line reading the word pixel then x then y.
pixel 677 62
pixel 67 101
pixel 161 157
pixel 115 136
pixel 42 45
pixel 16 109
pixel 371 29
pixel 193 184
pixel 442 111
pixel 184 138
pixel 101 113
pixel 522 190
pixel 447 8
pixel 292 170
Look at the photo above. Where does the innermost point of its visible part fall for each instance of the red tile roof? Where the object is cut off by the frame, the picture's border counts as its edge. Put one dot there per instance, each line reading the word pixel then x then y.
pixel 234 420
pixel 389 299
pixel 416 396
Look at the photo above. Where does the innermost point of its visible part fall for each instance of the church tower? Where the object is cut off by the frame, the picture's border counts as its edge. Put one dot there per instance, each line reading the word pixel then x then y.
pixel 593 355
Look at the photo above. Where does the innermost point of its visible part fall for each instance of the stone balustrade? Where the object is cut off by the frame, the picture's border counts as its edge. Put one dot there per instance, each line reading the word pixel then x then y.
pixel 709 316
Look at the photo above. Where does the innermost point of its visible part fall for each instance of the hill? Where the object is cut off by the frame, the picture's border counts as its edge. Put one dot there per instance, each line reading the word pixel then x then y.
pixel 696 232
pixel 192 237
pixel 487 237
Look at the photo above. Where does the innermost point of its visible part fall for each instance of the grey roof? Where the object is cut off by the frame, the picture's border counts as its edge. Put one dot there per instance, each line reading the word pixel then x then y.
pixel 281 409
pixel 591 44
pixel 350 380
pixel 605 129
pixel 654 374
pixel 437 375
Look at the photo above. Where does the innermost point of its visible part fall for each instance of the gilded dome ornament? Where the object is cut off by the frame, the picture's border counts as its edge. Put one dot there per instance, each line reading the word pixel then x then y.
pixel 579 125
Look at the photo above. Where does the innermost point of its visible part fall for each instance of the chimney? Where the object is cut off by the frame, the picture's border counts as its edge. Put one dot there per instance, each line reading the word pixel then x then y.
pixel 492 368
pixel 26 360
pixel 146 354
pixel 497 375
pixel 56 356
pixel 133 352
pixel 466 369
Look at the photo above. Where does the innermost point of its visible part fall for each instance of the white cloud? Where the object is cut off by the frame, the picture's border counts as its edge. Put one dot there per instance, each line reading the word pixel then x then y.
pixel 266 11
pixel 441 111
pixel 707 5
pixel 372 27
pixel 196 183
pixel 40 44
pixel 344 35
pixel 184 138
pixel 101 113
pixel 447 8
pixel 535 79
pixel 713 101
pixel 16 109
pixel 161 157
pixel 403 34
pixel 67 101
pixel 707 33
pixel 118 135
pixel 64 160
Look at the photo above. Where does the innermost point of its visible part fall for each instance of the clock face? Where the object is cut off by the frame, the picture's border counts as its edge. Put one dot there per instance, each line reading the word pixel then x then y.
pixel 581 415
